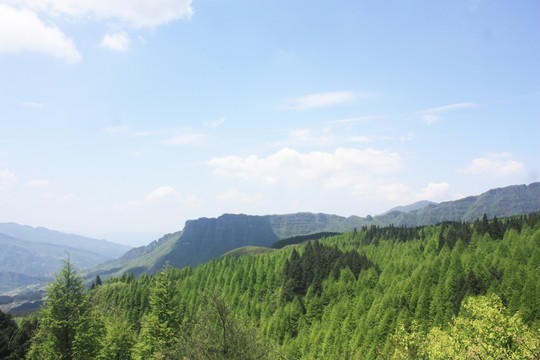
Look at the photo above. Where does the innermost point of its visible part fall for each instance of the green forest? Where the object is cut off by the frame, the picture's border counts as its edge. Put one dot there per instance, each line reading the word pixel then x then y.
pixel 452 291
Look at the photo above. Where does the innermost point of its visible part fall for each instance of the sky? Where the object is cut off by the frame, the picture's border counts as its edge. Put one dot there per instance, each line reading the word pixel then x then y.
pixel 122 120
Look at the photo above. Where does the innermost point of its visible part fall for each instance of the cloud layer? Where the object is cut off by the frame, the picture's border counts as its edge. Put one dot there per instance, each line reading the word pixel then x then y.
pixel 28 25
pixel 22 30
pixel 430 116
pixel 136 13
pixel 494 165
pixel 319 100
pixel 7 179
pixel 345 168
pixel 118 42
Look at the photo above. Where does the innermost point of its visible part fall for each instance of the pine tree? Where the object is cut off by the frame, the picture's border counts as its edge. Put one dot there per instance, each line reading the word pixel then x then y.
pixel 8 328
pixel 67 329
pixel 161 326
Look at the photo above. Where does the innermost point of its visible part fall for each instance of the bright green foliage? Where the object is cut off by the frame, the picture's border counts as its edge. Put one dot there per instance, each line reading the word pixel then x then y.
pixel 483 330
pixel 447 291
pixel 68 329
pixel 161 325
pixel 219 334
pixel 119 339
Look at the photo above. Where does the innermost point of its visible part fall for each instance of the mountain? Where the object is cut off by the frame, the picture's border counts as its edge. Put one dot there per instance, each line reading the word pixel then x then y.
pixel 207 238
pixel 415 206
pixel 43 235
pixel 30 256
pixel 501 202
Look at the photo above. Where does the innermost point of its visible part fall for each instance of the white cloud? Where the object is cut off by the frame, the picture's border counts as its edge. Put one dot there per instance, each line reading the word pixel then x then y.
pixel 22 30
pixel 214 124
pixel 33 104
pixel 7 179
pixel 411 135
pixel 69 197
pixel 360 139
pixel 305 136
pixel 115 129
pixel 183 139
pixel 37 183
pixel 161 192
pixel 430 116
pixel 320 100
pixel 430 119
pixel 165 193
pixel 359 119
pixel 434 191
pixel 445 108
pixel 494 165
pixel 136 13
pixel 28 25
pixel 238 196
pixel 345 168
pixel 118 42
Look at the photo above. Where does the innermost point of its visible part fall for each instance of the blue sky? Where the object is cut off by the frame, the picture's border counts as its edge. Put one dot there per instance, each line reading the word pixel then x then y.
pixel 135 116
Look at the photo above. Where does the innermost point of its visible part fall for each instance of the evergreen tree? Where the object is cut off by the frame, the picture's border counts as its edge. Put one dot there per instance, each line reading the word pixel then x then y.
pixel 119 340
pixel 8 329
pixel 161 326
pixel 219 334
pixel 67 328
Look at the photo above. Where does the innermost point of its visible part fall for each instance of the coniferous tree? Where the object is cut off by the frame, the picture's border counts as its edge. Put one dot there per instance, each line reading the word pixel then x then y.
pixel 67 328
pixel 8 328
pixel 161 326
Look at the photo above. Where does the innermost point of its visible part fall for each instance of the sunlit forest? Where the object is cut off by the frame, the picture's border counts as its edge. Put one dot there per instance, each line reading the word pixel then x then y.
pixel 451 291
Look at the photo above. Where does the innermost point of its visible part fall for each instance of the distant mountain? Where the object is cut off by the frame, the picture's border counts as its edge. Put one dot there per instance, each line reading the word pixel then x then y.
pixel 43 235
pixel 30 256
pixel 204 239
pixel 415 206
pixel 501 202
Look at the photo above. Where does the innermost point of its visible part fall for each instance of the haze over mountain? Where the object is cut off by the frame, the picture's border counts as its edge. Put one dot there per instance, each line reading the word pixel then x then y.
pixel 30 256
pixel 204 239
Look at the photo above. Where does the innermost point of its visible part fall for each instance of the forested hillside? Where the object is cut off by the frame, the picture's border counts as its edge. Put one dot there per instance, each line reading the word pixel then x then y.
pixel 207 238
pixel 451 291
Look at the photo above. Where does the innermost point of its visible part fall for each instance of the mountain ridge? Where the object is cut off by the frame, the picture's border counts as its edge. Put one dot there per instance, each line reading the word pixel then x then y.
pixel 206 238
pixel 30 254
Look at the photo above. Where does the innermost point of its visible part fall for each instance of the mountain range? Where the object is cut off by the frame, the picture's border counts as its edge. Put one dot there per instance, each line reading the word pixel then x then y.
pixel 206 238
pixel 30 256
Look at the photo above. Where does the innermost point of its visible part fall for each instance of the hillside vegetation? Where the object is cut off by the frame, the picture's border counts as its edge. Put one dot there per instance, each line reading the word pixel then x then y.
pixel 207 238
pixel 451 291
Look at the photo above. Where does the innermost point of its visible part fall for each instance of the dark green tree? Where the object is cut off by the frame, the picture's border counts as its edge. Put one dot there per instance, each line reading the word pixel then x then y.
pixel 8 329
pixel 219 334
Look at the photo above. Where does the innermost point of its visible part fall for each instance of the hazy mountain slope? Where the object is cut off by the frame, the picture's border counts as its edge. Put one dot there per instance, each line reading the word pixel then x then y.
pixel 30 256
pixel 414 206
pixel 42 235
pixel 138 260
pixel 24 263
pixel 204 239
pixel 501 202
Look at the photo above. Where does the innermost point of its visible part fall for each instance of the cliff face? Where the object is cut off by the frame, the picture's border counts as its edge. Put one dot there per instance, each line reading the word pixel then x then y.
pixel 205 239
